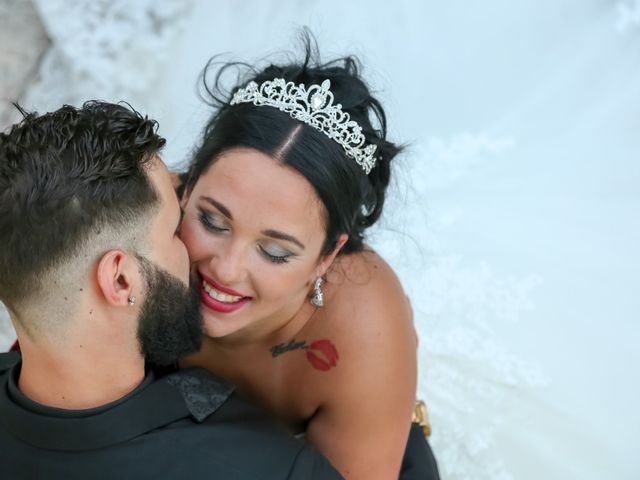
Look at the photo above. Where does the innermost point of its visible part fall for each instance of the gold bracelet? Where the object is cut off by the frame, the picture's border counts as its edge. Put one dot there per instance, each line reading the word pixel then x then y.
pixel 421 417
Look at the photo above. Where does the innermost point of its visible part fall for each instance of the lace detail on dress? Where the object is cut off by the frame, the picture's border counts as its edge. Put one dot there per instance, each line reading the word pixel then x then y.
pixel 23 40
pixel 467 377
pixel 104 49
pixel 203 393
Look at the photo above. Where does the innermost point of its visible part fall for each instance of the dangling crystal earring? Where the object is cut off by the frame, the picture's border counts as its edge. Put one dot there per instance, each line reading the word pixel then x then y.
pixel 317 300
pixel 132 300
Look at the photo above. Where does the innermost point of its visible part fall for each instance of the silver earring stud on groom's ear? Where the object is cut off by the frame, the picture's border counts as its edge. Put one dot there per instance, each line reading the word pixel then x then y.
pixel 132 300
pixel 317 299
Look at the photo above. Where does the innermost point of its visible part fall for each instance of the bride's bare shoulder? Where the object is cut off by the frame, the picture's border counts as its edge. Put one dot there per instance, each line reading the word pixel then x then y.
pixel 363 288
pixel 361 273
pixel 368 319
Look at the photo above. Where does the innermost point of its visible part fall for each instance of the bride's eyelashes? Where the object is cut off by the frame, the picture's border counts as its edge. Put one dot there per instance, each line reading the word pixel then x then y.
pixel 210 223
pixel 214 225
pixel 284 258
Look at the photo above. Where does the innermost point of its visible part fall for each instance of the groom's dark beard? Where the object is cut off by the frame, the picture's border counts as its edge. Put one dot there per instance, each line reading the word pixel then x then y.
pixel 170 323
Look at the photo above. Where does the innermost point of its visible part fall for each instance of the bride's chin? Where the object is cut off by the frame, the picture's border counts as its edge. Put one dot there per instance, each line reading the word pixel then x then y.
pixel 214 327
pixel 211 330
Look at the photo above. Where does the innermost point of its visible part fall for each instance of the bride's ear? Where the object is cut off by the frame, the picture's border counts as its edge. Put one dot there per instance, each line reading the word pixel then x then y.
pixel 327 260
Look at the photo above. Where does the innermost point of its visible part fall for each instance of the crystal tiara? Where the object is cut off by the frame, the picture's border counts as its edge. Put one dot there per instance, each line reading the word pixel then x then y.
pixel 313 106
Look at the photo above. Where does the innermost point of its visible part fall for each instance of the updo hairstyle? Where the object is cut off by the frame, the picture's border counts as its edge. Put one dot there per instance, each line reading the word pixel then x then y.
pixel 352 200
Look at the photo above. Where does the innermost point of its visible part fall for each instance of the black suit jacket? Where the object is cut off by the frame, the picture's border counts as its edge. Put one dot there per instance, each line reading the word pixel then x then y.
pixel 188 424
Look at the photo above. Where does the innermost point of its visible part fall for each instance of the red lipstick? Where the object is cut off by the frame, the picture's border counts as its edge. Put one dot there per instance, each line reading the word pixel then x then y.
pixel 219 287
pixel 217 305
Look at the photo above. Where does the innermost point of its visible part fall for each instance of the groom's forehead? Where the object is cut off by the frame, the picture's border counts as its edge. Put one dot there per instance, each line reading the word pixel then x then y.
pixel 167 216
pixel 162 182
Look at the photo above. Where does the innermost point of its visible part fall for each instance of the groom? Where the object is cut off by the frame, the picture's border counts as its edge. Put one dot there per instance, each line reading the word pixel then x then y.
pixel 96 281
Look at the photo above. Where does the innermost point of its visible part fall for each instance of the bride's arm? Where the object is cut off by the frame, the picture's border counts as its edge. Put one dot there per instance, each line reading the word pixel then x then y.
pixel 363 422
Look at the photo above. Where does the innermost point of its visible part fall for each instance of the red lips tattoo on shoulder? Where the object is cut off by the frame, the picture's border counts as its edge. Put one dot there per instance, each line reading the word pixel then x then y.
pixel 321 354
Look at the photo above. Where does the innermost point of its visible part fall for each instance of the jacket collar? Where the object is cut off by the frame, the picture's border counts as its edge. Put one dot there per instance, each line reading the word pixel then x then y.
pixel 157 402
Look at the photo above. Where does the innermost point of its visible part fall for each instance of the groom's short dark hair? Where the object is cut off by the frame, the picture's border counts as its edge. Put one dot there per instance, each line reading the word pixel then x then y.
pixel 65 177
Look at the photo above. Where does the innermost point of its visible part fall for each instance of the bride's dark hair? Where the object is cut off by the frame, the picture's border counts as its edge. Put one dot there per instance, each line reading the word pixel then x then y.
pixel 352 200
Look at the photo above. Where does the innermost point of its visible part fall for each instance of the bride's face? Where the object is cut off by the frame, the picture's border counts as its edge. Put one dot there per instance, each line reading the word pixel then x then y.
pixel 254 230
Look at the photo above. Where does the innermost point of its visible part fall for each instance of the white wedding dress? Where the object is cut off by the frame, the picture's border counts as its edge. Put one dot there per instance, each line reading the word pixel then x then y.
pixel 512 221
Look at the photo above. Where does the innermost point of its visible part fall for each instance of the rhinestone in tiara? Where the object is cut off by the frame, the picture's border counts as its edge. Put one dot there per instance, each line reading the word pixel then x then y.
pixel 313 106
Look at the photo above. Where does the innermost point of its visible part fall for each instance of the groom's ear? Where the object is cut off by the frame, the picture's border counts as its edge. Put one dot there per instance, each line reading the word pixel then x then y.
pixel 118 277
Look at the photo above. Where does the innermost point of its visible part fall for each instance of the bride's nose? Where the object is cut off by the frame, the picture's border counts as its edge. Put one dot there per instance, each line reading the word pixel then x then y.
pixel 227 265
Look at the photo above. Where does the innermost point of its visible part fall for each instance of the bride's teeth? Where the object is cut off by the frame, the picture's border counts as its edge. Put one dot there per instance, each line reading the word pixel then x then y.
pixel 217 295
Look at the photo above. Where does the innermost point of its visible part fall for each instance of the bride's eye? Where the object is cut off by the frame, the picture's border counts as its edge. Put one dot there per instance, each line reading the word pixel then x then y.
pixel 211 223
pixel 275 256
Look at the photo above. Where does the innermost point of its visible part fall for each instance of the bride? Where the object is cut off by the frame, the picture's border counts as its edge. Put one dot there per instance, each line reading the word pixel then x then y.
pixel 299 312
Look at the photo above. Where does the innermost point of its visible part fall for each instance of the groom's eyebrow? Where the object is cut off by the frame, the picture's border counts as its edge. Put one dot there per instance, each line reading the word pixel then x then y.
pixel 224 210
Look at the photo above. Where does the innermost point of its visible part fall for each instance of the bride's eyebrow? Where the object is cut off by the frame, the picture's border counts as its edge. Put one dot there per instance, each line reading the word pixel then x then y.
pixel 224 210
pixel 283 236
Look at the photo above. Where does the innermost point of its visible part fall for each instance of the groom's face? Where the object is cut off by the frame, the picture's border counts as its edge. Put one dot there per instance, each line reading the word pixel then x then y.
pixel 169 323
